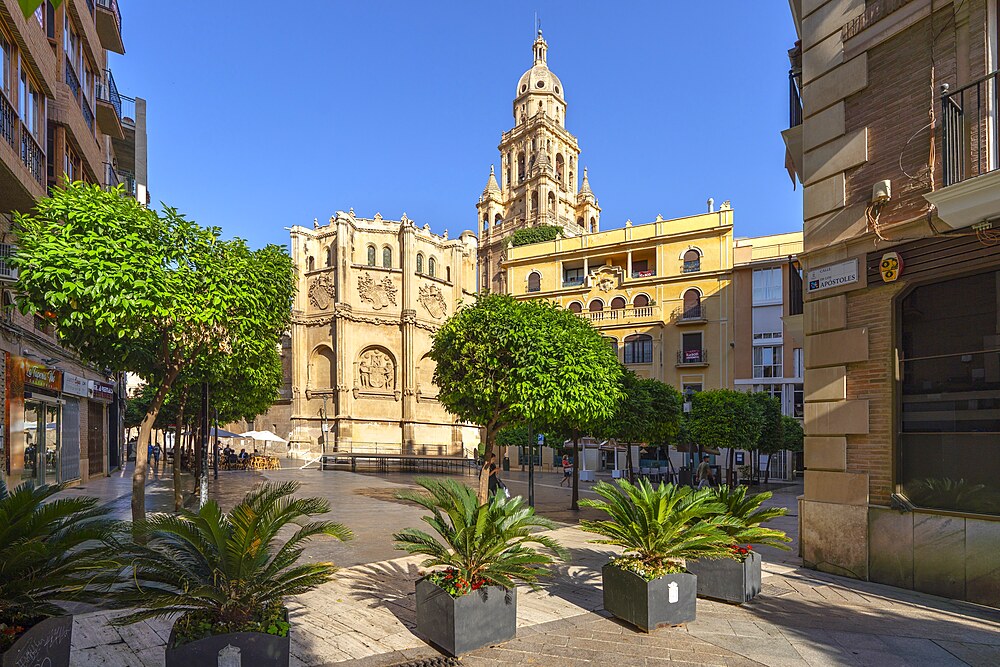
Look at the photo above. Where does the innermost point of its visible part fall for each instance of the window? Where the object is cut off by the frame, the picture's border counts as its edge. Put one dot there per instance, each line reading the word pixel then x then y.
pixel 447 273
pixel 310 264
pixel 431 267
pixel 692 305
pixel 420 263
pixel 638 349
pixel 640 301
pixel 573 276
pixel 576 307
pixel 6 67
pixel 798 401
pixel 767 361
pixel 329 256
pixel 798 365
pixel 534 282
pixel 617 303
pixel 552 202
pixel 766 286
pixel 520 168
pixel 692 261
pixel 794 288
pixel 596 306
pixel 772 390
pixel 691 350
pixel 30 105
pixel 949 440
pixel 498 220
pixel 486 223
pixel 579 221
pixel 767 324
pixel 371 255
pixel 593 225
pixel 387 258
pixel 534 202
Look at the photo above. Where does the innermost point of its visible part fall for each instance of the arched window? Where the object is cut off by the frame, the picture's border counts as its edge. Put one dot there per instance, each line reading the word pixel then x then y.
pixel 535 282
pixel 638 349
pixel 692 261
pixel 387 258
pixel 486 222
pixel 447 273
pixel 431 267
pixel 593 225
pixel 640 301
pixel 497 220
pixel 617 303
pixel 329 256
pixel 322 368
pixel 596 306
pixel 576 307
pixel 560 163
pixel 692 304
pixel 534 202
pixel 552 202
pixel 371 255
pixel 520 167
pixel 580 222
pixel 310 263
pixel 420 263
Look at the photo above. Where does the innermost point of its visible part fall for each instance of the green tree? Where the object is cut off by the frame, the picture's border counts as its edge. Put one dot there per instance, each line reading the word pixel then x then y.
pixel 502 361
pixel 770 438
pixel 132 289
pixel 725 418
pixel 792 433
pixel 535 235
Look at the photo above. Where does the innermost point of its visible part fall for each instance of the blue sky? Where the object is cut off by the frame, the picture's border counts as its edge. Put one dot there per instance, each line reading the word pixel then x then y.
pixel 262 118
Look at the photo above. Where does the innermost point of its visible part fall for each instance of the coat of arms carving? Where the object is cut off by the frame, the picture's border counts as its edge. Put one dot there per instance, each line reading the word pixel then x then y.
pixel 321 292
pixel 378 293
pixel 376 370
pixel 433 300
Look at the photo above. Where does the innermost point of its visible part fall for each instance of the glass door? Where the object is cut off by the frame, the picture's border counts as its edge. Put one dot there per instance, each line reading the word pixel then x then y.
pixel 53 431
pixel 34 421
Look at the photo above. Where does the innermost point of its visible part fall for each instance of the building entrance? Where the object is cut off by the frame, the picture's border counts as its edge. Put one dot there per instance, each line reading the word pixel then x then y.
pixel 42 445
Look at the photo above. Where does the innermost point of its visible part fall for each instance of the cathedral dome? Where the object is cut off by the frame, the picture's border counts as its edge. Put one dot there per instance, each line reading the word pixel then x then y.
pixel 539 79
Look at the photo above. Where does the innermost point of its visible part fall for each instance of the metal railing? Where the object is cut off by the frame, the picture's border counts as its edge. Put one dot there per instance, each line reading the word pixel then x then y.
pixel 72 80
pixel 794 98
pixel 88 115
pixel 128 110
pixel 686 357
pixel 572 282
pixel 110 175
pixel 112 6
pixel 32 155
pixel 693 313
pixel 691 266
pixel 644 274
pixel 969 127
pixel 8 121
pixel 617 313
pixel 107 91
pixel 128 178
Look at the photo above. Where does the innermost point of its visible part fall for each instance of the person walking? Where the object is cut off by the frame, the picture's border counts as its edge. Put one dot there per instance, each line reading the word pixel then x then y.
pixel 149 455
pixel 156 456
pixel 494 481
pixel 705 474
pixel 567 471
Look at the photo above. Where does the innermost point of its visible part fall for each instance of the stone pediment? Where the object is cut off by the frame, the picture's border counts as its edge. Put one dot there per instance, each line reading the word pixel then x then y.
pixel 606 278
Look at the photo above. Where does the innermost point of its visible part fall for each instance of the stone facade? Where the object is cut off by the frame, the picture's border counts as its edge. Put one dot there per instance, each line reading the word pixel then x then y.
pixel 371 293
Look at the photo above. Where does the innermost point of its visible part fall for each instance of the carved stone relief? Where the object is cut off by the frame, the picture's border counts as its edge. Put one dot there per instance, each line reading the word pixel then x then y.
pixel 433 300
pixel 376 371
pixel 321 291
pixel 378 293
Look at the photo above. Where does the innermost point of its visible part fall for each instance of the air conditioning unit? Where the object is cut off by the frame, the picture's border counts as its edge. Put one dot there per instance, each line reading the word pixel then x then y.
pixel 7 272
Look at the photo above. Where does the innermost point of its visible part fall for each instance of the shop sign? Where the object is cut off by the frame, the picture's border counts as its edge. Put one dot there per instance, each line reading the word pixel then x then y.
pixel 890 267
pixel 75 385
pixel 101 391
pixel 832 275
pixel 30 373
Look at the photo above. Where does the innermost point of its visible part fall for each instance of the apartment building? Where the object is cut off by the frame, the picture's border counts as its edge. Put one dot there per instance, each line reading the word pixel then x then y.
pixel 767 329
pixel 896 147
pixel 61 115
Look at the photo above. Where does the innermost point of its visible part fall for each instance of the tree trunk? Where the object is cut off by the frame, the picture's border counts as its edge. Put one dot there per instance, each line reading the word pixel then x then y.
pixel 198 450
pixel 575 504
pixel 141 458
pixel 731 474
pixel 484 473
pixel 629 466
pixel 178 439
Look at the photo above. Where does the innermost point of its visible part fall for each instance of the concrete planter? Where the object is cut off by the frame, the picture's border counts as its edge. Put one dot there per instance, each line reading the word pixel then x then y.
pixel 459 625
pixel 727 579
pixel 669 600
pixel 236 649
pixel 46 643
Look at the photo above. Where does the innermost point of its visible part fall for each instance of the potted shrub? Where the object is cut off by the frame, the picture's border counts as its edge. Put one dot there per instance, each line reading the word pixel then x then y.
pixel 482 552
pixel 227 575
pixel 50 551
pixel 737 579
pixel 658 528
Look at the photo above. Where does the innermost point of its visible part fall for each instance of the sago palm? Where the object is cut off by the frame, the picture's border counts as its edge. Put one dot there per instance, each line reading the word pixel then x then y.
pixel 660 526
pixel 749 512
pixel 495 543
pixel 226 572
pixel 50 551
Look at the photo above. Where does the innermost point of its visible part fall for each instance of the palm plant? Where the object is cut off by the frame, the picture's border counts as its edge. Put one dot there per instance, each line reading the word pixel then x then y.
pixel 659 527
pixel 489 544
pixel 226 572
pixel 50 551
pixel 749 513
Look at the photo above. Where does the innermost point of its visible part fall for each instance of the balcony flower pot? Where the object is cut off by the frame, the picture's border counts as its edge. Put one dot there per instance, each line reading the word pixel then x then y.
pixel 728 579
pixel 235 648
pixel 45 643
pixel 666 600
pixel 457 625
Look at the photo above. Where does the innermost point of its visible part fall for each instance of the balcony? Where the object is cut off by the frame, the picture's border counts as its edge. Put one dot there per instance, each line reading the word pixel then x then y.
pixel 109 25
pixel 109 107
pixel 695 315
pixel 970 160
pixel 22 162
pixel 32 155
pixel 80 95
pixel 793 135
pixel 691 358
pixel 644 274
pixel 111 178
pixel 618 314
pixel 572 282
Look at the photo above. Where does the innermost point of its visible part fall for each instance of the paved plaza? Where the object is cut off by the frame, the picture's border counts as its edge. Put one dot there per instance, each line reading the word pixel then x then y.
pixel 365 617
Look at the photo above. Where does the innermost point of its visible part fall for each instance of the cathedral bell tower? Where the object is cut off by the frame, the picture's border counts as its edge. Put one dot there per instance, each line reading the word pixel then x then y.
pixel 539 163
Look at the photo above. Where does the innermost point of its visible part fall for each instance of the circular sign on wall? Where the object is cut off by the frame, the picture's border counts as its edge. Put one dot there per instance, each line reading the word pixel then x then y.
pixel 890 267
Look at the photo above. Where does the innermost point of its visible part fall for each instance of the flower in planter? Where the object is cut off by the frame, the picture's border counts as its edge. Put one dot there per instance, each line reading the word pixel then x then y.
pixel 489 544
pixel 50 551
pixel 226 572
pixel 747 514
pixel 659 527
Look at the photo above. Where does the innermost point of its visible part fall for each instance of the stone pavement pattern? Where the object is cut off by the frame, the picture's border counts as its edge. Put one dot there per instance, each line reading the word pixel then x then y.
pixel 365 617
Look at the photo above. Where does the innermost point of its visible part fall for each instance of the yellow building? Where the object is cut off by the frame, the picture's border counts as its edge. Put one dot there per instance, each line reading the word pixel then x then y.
pixel 660 292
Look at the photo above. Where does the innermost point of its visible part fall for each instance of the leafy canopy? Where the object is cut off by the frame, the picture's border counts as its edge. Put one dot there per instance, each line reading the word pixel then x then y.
pixel 791 433
pixel 492 542
pixel 650 412
pixel 725 418
pixel 50 551
pixel 535 235
pixel 770 438
pixel 228 570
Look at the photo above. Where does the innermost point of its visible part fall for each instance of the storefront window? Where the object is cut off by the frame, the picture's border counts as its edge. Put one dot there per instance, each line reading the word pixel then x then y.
pixel 949 441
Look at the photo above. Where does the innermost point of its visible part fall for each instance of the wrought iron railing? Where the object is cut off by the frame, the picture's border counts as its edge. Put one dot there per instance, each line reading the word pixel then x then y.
pixel 112 6
pixel 617 313
pixel 692 357
pixel 682 313
pixel 72 80
pixel 107 91
pixel 8 121
pixel 128 178
pixel 644 274
pixel 128 110
pixel 572 282
pixel 969 129
pixel 32 155
pixel 110 175
pixel 88 115
pixel 691 266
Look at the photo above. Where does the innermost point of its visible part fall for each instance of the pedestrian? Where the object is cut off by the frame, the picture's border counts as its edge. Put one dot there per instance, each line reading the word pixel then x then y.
pixel 567 471
pixel 149 454
pixel 705 474
pixel 156 456
pixel 494 480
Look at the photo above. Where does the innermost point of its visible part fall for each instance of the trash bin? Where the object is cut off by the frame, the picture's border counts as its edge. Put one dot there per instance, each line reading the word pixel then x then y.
pixel 684 475
pixel 506 464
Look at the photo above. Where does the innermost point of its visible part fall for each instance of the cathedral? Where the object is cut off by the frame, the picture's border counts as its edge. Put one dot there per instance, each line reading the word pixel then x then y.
pixel 539 171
